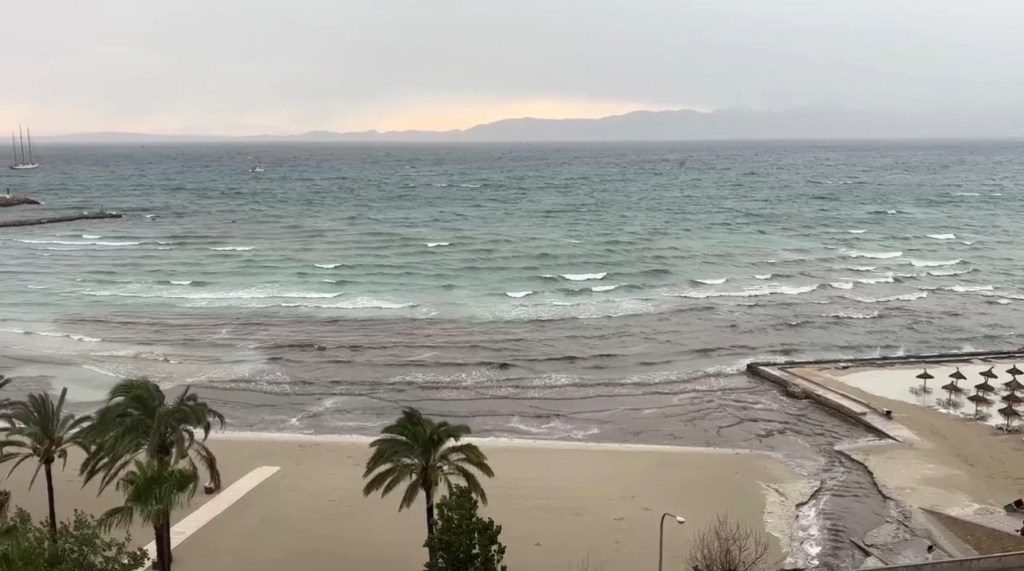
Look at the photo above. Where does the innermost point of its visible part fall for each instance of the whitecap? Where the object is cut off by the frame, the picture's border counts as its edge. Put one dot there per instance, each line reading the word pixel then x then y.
pixel 584 277
pixel 467 185
pixel 938 273
pixel 754 291
pixel 436 244
pixel 851 315
pixel 518 294
pixel 250 293
pixel 233 249
pixel 904 297
pixel 92 236
pixel 79 242
pixel 966 194
pixel 711 281
pixel 842 285
pixel 762 276
pixel 181 282
pixel 857 231
pixel 942 236
pixel 969 289
pixel 878 280
pixel 74 336
pixel 933 263
pixel 1003 301
pixel 30 286
pixel 875 255
pixel 327 266
pixel 966 242
pixel 602 288
pixel 861 268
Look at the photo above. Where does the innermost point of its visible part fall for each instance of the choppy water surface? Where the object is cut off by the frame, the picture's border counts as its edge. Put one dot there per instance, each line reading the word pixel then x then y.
pixel 600 292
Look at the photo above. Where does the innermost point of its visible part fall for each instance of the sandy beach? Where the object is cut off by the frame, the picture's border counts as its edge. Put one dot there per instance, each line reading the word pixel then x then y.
pixel 558 503
pixel 949 464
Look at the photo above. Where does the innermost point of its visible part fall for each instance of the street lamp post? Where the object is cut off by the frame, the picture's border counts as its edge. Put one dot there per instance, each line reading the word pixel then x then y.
pixel 661 534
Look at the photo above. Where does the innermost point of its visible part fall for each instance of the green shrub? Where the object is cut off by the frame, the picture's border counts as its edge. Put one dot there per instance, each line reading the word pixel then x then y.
pixel 462 540
pixel 81 546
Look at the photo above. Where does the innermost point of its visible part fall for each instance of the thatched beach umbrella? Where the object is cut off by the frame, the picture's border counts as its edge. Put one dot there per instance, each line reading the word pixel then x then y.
pixel 978 400
pixel 984 386
pixel 989 374
pixel 1009 413
pixel 1013 399
pixel 924 377
pixel 1014 371
pixel 951 388
pixel 1013 385
pixel 957 376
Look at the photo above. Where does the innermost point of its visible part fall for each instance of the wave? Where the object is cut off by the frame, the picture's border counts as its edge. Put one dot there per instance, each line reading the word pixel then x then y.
pixel 754 291
pixel 603 288
pixel 30 286
pixel 942 236
pixel 857 231
pixel 841 285
pixel 181 282
pixel 584 277
pixel 933 263
pixel 1003 301
pixel 467 185
pixel 74 336
pixel 92 236
pixel 518 294
pixel 327 266
pixel 851 315
pixel 79 242
pixel 762 276
pixel 874 255
pixel 861 268
pixel 878 280
pixel 250 293
pixel 968 289
pixel 938 273
pixel 711 281
pixel 436 244
pixel 233 249
pixel 966 194
pixel 904 297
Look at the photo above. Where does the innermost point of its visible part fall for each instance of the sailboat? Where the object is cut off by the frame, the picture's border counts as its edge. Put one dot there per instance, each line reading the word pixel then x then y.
pixel 22 164
pixel 256 167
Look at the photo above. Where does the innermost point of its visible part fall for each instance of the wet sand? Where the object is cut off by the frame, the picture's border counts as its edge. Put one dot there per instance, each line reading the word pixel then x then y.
pixel 558 503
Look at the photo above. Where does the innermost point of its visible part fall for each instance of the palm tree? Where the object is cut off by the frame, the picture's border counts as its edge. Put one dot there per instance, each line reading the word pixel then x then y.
pixel 137 421
pixel 415 450
pixel 152 490
pixel 38 428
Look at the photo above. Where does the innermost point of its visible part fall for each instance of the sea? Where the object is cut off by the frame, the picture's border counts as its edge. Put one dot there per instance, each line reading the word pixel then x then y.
pixel 595 292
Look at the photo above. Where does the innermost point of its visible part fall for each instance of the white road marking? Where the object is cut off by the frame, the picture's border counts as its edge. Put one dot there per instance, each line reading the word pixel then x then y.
pixel 211 509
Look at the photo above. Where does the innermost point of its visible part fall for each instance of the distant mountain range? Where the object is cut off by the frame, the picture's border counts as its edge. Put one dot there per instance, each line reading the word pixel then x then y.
pixel 681 125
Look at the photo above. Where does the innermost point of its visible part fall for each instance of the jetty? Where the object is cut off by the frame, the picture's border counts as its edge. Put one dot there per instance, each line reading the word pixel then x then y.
pixel 8 200
pixel 56 219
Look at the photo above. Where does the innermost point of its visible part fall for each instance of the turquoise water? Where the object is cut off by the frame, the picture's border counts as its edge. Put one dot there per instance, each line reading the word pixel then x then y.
pixel 604 292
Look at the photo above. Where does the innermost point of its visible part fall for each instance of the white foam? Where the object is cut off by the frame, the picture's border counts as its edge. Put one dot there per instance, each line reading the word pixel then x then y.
pixel 518 294
pixel 904 297
pixel 327 266
pixel 181 282
pixel 248 293
pixel 949 272
pixel 1003 301
pixel 436 244
pixel 30 286
pixel 874 255
pixel 966 194
pixel 878 280
pixel 79 242
pixel 856 231
pixel 711 281
pixel 934 263
pixel 762 276
pixel 233 249
pixel 602 288
pixel 754 291
pixel 969 289
pixel 851 315
pixel 842 285
pixel 584 277
pixel 861 268
pixel 942 236
pixel 74 336
pixel 92 236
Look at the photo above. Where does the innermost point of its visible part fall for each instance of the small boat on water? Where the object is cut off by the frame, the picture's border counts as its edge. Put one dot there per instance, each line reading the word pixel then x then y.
pixel 21 163
pixel 256 167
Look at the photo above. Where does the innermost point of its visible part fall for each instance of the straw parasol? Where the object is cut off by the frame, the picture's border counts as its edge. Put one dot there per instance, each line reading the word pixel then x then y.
pixel 957 376
pixel 1013 399
pixel 989 374
pixel 952 388
pixel 1014 371
pixel 1013 385
pixel 1009 413
pixel 978 400
pixel 924 377
pixel 984 386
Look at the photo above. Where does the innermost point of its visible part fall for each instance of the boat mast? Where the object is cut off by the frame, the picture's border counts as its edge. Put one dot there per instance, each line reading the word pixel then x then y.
pixel 14 149
pixel 22 137
pixel 29 131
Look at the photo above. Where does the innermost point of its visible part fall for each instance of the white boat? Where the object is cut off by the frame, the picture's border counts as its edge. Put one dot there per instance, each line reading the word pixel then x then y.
pixel 256 167
pixel 22 164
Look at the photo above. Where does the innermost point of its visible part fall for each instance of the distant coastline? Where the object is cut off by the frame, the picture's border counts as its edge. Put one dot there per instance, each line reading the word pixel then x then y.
pixel 654 126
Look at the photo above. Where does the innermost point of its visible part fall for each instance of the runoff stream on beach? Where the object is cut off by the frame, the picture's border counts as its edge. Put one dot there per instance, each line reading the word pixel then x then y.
pixel 609 293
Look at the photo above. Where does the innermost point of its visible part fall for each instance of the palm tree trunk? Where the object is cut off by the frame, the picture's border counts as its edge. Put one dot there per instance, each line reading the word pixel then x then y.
pixel 430 524
pixel 53 506
pixel 161 556
pixel 167 541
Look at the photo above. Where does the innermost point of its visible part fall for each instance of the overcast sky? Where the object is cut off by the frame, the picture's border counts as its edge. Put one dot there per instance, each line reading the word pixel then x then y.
pixel 284 66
